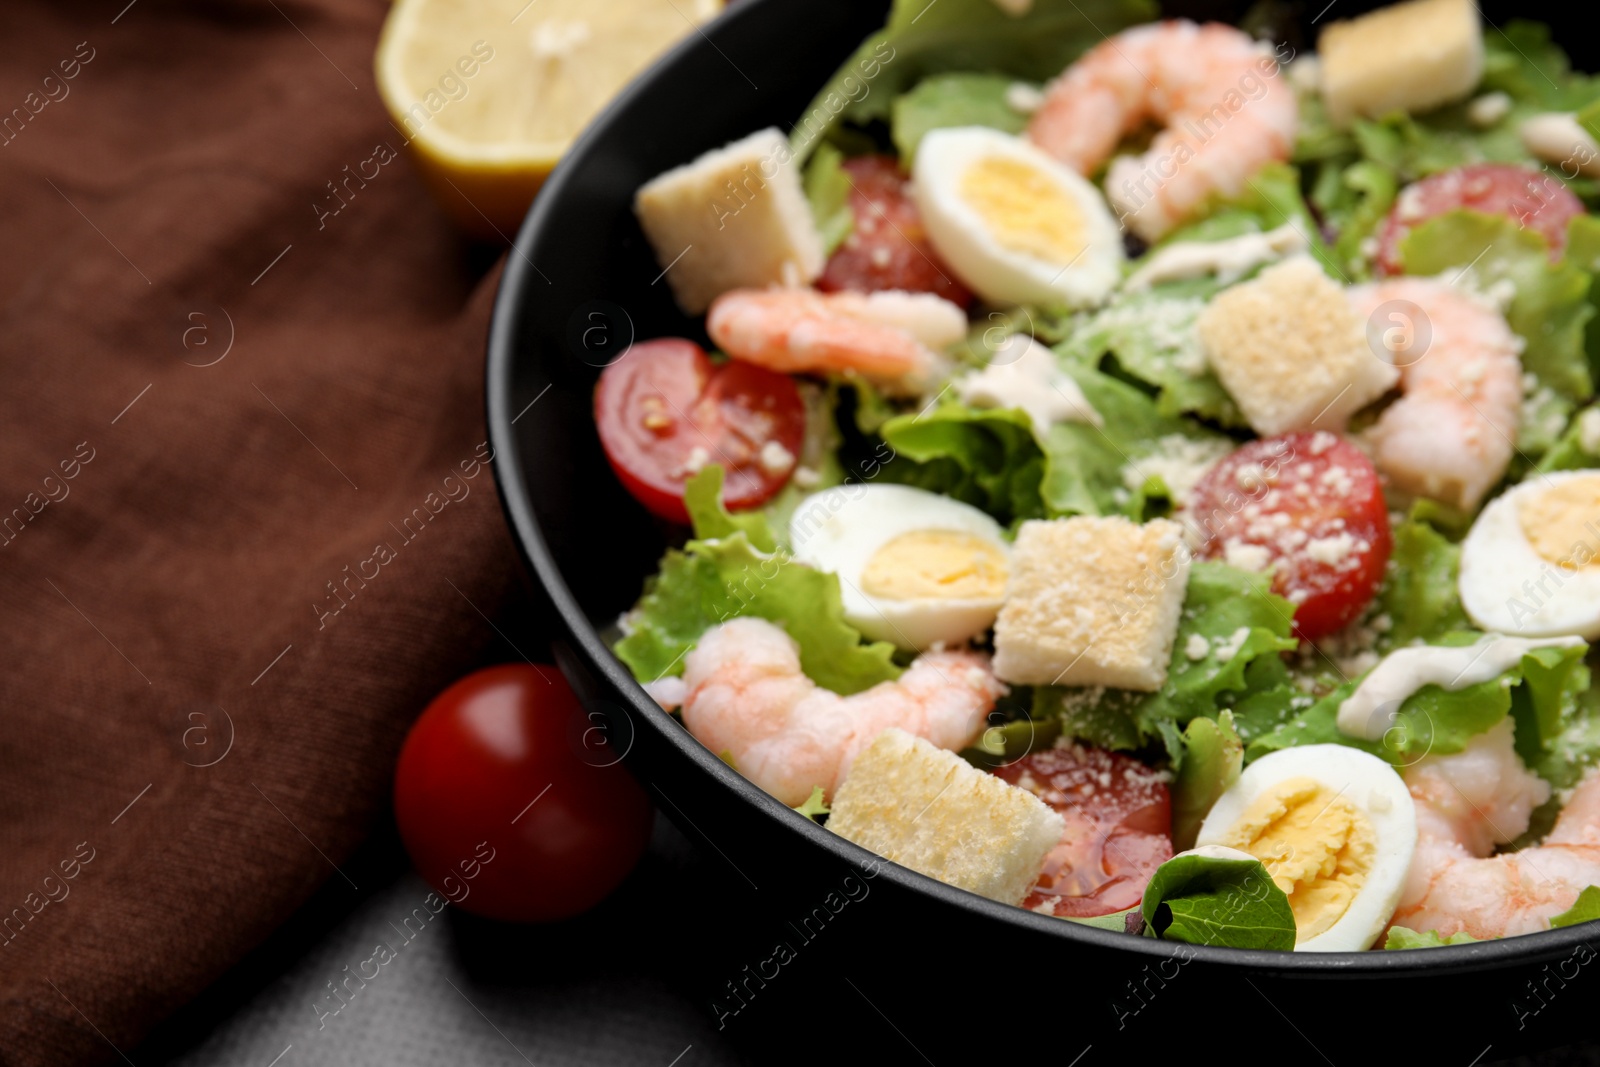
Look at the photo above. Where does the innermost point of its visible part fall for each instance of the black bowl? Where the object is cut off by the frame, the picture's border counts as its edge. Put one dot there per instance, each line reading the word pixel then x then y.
pixel 822 923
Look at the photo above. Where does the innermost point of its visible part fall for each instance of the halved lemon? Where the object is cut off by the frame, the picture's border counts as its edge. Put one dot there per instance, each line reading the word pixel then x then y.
pixel 489 94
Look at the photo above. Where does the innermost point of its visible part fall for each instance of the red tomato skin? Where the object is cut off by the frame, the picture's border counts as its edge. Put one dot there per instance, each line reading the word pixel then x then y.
pixel 888 248
pixel 1327 488
pixel 488 747
pixel 663 399
pixel 1536 200
pixel 1119 827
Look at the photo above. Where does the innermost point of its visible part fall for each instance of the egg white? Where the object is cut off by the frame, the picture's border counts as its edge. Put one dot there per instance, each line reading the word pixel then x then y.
pixel 1376 790
pixel 1507 587
pixel 840 529
pixel 1002 275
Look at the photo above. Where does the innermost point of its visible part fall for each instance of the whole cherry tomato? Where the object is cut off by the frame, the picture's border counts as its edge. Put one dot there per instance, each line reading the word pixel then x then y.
pixel 507 805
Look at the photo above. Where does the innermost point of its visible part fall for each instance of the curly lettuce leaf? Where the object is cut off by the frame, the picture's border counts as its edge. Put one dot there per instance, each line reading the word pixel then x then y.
pixel 1355 174
pixel 988 458
pixel 1550 309
pixel 1540 692
pixel 1419 592
pixel 995 460
pixel 814 805
pixel 1585 909
pixel 711 581
pixel 1242 627
pixel 702 496
pixel 1272 199
pixel 1403 937
pixel 1201 898
pixel 1213 755
pixel 923 39
pixel 952 100
pixel 828 192
pixel 1151 337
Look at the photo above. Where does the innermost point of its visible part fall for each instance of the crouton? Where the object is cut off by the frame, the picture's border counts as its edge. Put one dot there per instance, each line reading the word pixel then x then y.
pixel 1092 601
pixel 736 217
pixel 1410 57
pixel 1291 350
pixel 924 808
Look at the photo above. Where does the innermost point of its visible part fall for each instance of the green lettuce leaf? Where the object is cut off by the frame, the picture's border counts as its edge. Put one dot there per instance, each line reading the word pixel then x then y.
pixel 1539 691
pixel 1419 592
pixel 828 192
pixel 993 459
pixel 1355 174
pixel 1242 625
pixel 985 457
pixel 702 496
pixel 1212 758
pixel 1117 920
pixel 1551 307
pixel 819 454
pixel 814 804
pixel 1572 450
pixel 1583 250
pixel 952 100
pixel 1585 909
pixel 1209 899
pixel 1151 336
pixel 711 581
pixel 1273 199
pixel 922 39
pixel 1403 937
pixel 1568 754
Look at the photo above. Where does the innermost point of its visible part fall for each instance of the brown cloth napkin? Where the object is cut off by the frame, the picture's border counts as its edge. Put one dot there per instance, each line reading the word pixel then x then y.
pixel 246 526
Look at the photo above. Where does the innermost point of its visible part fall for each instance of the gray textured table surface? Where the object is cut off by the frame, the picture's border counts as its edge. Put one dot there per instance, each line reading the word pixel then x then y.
pixel 605 989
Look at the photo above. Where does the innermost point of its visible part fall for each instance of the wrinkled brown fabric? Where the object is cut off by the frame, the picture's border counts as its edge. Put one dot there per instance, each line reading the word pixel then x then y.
pixel 247 531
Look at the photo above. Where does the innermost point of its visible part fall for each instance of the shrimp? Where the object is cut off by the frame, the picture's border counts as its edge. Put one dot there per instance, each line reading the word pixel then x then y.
pixel 1226 112
pixel 1452 433
pixel 1478 798
pixel 746 696
pixel 893 338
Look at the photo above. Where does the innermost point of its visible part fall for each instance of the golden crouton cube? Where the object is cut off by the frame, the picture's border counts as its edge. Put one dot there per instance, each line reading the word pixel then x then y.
pixel 924 808
pixel 1410 57
pixel 1092 601
pixel 1291 350
pixel 735 218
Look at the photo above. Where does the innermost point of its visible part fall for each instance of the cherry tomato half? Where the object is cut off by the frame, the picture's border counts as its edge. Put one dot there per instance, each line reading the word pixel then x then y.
pixel 1119 827
pixel 1309 506
pixel 664 410
pixel 888 248
pixel 1538 201
pixel 503 813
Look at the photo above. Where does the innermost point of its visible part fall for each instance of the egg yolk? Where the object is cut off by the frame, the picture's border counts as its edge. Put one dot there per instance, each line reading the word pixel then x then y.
pixel 935 565
pixel 1317 846
pixel 1562 523
pixel 1023 209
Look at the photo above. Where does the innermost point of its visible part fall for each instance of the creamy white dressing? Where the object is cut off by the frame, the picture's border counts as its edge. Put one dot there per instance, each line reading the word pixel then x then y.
pixel 1367 712
pixel 1023 373
pixel 1228 260
pixel 1556 137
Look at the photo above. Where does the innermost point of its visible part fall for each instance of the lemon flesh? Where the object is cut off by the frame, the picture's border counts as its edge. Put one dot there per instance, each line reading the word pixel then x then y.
pixel 490 93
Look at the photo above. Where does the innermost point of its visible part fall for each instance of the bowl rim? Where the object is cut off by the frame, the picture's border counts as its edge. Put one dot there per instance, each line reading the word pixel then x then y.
pixel 513 292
